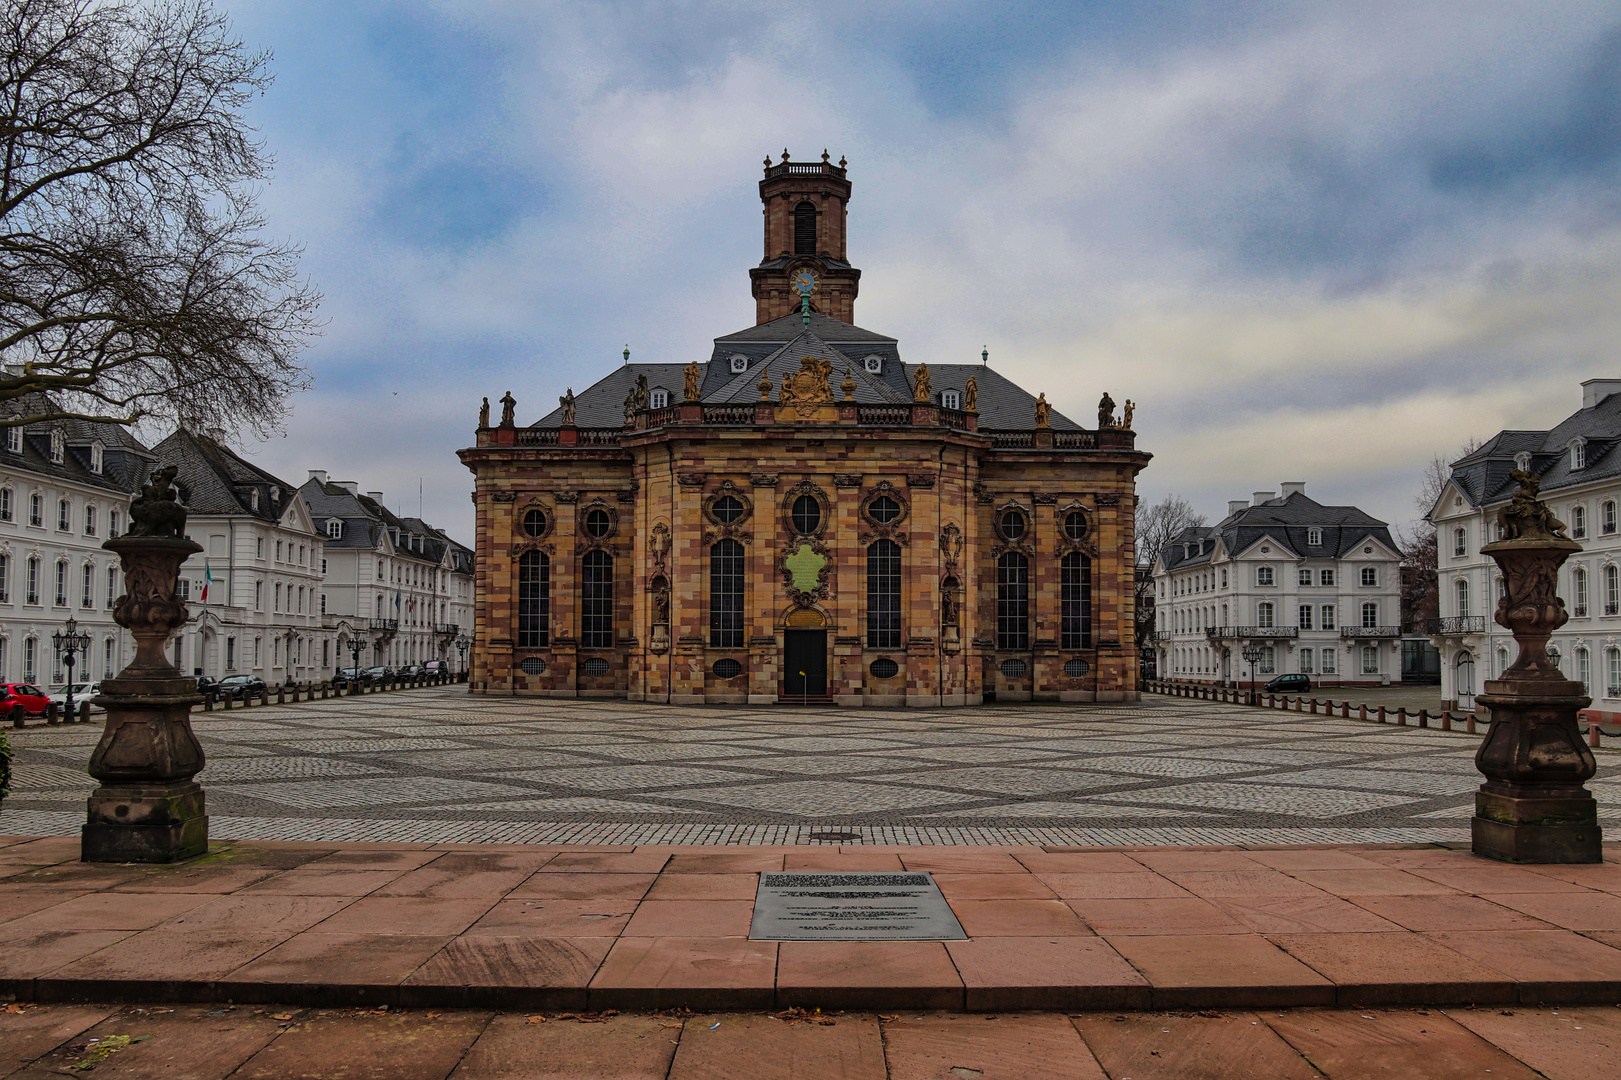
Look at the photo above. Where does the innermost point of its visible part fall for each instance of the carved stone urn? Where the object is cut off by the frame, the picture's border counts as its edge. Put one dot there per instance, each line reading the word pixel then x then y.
pixel 148 808
pixel 1533 807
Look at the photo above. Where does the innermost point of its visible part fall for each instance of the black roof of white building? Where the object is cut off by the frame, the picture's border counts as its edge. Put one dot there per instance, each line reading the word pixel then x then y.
pixel 366 521
pixel 212 479
pixel 126 463
pixel 1288 521
pixel 1482 476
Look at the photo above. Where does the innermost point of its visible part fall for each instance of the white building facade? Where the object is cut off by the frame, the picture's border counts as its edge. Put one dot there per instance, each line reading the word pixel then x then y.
pixel 1580 470
pixel 1310 588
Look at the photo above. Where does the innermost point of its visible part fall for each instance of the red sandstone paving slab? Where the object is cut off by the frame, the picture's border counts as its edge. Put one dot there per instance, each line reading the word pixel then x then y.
pixel 695 886
pixel 332 969
pixel 285 915
pixel 1171 1046
pixel 469 873
pixel 620 862
pixel 867 975
pixel 1397 969
pixel 41 850
pixel 405 915
pixel 554 918
pixel 1165 860
pixel 1570 1043
pixel 25 956
pixel 108 911
pixel 691 918
pixel 1258 881
pixel 1112 918
pixel 1494 877
pixel 73 876
pixel 1421 1044
pixel 159 965
pixel 1549 965
pixel 1222 971
pixel 571 886
pixel 1290 860
pixel 624 1048
pixel 256 853
pixel 512 973
pixel 842 860
pixel 197 878
pixel 1096 862
pixel 312 881
pixel 960 861
pixel 743 862
pixel 1573 911
pixel 1018 918
pixel 374 860
pixel 1142 885
pixel 1448 913
pixel 179 1043
pixel 765 1048
pixel 36 1030
pixel 1003 974
pixel 698 973
pixel 365 1046
pixel 16 905
pixel 993 887
pixel 1371 883
pixel 989 1048
pixel 1319 914
pixel 1605 877
pixel 1421 857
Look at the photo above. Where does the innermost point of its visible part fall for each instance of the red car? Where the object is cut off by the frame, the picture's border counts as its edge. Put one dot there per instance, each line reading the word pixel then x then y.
pixel 34 700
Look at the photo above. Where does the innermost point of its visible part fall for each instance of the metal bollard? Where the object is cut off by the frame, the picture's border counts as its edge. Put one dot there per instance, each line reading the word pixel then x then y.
pixel 18 715
pixel 225 702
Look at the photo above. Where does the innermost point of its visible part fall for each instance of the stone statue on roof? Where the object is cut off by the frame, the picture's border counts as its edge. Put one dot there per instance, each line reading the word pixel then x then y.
pixel 641 391
pixel 567 401
pixel 1131 407
pixel 920 385
pixel 689 390
pixel 970 396
pixel 484 414
pixel 509 407
pixel 1105 411
pixel 1044 412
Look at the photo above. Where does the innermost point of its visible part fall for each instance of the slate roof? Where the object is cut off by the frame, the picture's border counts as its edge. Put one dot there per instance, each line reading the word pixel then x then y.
pixel 1286 521
pixel 777 347
pixel 212 479
pixel 1482 476
pixel 367 521
pixel 126 463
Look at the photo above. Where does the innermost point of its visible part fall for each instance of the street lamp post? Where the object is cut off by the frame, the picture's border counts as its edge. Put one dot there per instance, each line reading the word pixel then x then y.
pixel 1252 653
pixel 462 645
pixel 69 643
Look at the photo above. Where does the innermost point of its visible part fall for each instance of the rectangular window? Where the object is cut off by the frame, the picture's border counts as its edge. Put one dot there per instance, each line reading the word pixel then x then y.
pixel 1268 663
pixel 883 595
pixel 1075 601
pixel 36 510
pixel 1607 517
pixel 87 597
pixel 64 515
pixel 30 656
pixel 1370 616
pixel 14 439
pixel 1303 576
pixel 61 584
pixel 1012 601
pixel 1325 577
pixel 5 579
pixel 1305 616
pixel 5 504
pixel 90 520
pixel 112 586
pixel 230 654
pixel 1578 522
pixel 33 581
pixel 1584 669
pixel 1328 617
pixel 1305 661
pixel 183 589
pixel 1314 538
pixel 259 598
pixel 1370 659
pixel 323 603
pixel 1264 575
pixel 597 600
pixel 1328 661
pixel 1460 542
pixel 1370 575
pixel 1263 616
pixel 112 523
pixel 278 597
pixel 107 659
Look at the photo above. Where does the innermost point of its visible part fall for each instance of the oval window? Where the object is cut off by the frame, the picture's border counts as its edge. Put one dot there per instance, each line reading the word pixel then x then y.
pixel 807 514
pixel 727 509
pixel 1075 525
pixel 883 509
pixel 1013 669
pixel 728 668
pixel 595 666
pixel 534 522
pixel 597 523
pixel 532 665
pixel 1076 668
pixel 1012 524
pixel 884 668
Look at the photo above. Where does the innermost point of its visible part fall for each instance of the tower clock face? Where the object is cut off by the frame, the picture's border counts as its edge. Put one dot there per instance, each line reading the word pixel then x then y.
pixel 804 281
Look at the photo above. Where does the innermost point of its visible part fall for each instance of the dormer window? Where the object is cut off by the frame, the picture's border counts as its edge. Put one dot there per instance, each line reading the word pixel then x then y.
pixel 740 364
pixel 59 447
pixel 334 528
pixel 950 399
pixel 874 365
pixel 1314 538
pixel 658 399
pixel 14 439
pixel 253 499
pixel 97 457
pixel 1578 454
pixel 1522 460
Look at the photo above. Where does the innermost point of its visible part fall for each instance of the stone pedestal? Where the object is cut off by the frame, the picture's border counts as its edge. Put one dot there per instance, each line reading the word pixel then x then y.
pixel 148 808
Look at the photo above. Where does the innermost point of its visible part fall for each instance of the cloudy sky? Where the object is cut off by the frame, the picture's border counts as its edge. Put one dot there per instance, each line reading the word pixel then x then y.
pixel 1313 241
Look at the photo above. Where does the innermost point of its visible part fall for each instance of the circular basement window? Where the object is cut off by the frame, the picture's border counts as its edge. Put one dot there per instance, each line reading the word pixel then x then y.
pixel 532 665
pixel 1076 668
pixel 534 522
pixel 1013 669
pixel 596 666
pixel 884 668
pixel 727 668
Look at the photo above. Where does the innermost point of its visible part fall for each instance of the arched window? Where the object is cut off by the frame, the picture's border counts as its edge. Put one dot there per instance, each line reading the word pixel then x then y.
pixel 1460 541
pixel 534 599
pixel 658 399
pixel 334 528
pixel 1612 664
pixel 33 581
pixel 726 594
pixel 884 595
pixel 1075 601
pixel 1264 614
pixel 597 600
pixel 1612 590
pixel 1012 601
pixel 1584 670
pixel 1578 522
pixel 1607 517
pixel 1462 590
pixel 1578 581
pixel 805 228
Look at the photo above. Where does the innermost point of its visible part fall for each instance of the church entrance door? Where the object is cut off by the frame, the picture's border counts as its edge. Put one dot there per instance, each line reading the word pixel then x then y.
pixel 804 663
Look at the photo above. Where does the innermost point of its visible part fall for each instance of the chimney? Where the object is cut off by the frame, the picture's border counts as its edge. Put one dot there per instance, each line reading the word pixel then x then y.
pixel 1235 505
pixel 375 496
pixel 350 486
pixel 319 476
pixel 1595 391
pixel 1261 497
pixel 1293 487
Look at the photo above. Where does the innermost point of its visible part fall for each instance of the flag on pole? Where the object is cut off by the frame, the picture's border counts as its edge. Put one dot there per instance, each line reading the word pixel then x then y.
pixel 208 579
pixel 396 600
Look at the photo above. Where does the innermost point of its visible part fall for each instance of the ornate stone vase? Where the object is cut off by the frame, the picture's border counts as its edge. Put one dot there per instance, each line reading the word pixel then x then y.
pixel 148 808
pixel 1533 806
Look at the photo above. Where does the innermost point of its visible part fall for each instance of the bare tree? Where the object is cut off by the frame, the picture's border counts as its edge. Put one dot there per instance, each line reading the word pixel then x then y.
pixel 1156 525
pixel 135 282
pixel 1419 599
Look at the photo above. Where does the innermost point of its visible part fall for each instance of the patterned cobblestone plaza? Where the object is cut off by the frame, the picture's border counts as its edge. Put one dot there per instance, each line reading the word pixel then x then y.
pixel 437 765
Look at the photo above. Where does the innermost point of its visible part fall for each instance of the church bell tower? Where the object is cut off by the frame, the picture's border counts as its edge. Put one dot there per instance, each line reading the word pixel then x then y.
pixel 805 206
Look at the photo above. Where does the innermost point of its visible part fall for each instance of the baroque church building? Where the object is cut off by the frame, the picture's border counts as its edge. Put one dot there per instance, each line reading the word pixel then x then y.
pixel 805 517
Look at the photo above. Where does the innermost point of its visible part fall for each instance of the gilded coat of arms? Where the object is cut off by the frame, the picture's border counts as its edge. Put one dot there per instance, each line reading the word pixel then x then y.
pixel 807 389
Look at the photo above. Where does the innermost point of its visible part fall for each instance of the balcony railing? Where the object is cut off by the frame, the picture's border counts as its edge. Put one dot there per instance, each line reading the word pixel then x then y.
pixel 1011 440
pixel 1075 440
pixel 1457 625
pixel 661 417
pixel 883 414
pixel 448 628
pixel 728 414
pixel 1252 631
pixel 1159 635
pixel 1370 631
